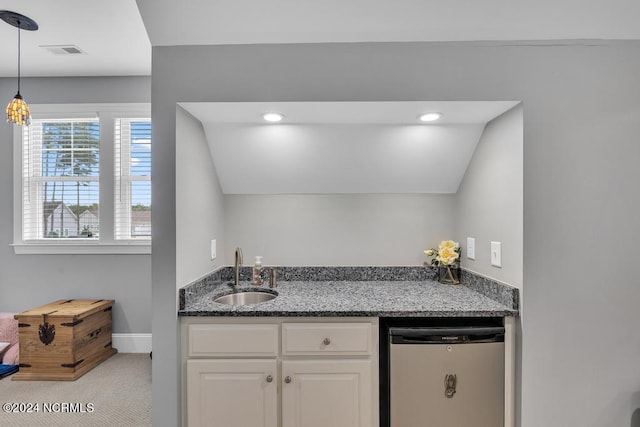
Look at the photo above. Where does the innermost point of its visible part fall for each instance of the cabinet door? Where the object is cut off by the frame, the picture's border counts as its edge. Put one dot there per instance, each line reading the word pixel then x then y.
pixel 232 393
pixel 334 393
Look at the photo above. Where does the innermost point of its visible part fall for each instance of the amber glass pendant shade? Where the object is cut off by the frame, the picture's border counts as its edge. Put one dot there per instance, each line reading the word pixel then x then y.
pixel 18 111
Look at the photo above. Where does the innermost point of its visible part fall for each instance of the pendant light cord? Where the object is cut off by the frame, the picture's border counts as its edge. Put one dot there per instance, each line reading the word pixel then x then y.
pixel 18 57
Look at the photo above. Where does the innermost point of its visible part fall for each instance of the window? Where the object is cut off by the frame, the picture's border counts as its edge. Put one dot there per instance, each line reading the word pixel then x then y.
pixel 86 180
pixel 60 178
pixel 133 179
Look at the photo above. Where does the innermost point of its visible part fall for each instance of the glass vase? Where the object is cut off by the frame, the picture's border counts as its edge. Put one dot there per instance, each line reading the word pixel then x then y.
pixel 449 274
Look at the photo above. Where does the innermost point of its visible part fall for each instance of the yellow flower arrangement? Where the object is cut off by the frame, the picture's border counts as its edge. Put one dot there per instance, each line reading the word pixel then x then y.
pixel 447 259
pixel 448 253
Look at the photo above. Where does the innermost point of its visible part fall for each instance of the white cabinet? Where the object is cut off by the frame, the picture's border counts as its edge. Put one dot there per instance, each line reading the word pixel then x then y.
pixel 326 339
pixel 232 393
pixel 325 388
pixel 268 372
pixel 321 393
pixel 230 340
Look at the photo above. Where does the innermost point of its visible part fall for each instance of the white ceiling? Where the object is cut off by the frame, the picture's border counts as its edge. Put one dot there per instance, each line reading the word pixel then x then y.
pixel 112 33
pixel 342 147
pixel 404 112
pixel 171 22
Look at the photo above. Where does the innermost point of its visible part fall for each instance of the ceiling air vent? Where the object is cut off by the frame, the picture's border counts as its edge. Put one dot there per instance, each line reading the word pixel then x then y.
pixel 64 49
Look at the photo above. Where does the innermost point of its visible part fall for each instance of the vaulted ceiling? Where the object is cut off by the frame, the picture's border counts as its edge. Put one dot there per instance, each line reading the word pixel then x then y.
pixel 342 147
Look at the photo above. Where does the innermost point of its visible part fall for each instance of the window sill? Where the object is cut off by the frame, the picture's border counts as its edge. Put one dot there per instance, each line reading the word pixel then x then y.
pixel 82 248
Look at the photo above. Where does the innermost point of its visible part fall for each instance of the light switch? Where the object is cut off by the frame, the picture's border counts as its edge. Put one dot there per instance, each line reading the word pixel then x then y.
pixel 213 249
pixel 471 248
pixel 496 254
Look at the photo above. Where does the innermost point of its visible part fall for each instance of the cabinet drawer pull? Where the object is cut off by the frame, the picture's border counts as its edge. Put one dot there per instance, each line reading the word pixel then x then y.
pixel 287 379
pixel 326 341
pixel 269 378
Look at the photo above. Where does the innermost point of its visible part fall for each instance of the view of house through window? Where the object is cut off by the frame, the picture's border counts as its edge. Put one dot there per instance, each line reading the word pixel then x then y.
pixel 62 180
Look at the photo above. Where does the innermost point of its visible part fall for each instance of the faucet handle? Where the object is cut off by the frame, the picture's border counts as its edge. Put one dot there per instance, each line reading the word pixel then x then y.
pixel 272 277
pixel 238 264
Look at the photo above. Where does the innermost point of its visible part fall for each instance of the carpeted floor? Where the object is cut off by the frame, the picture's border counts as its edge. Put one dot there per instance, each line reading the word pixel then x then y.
pixel 115 393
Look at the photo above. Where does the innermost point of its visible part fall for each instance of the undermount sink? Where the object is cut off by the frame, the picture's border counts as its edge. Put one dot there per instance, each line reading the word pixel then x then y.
pixel 246 297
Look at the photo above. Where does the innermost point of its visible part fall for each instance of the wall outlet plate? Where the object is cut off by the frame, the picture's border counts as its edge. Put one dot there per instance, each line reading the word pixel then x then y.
pixel 496 254
pixel 471 248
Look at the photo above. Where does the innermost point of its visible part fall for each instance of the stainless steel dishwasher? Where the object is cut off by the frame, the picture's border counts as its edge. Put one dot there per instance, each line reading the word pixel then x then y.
pixel 446 376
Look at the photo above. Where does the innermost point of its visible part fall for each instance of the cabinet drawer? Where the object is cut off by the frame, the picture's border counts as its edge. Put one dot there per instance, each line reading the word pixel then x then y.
pixel 326 338
pixel 233 340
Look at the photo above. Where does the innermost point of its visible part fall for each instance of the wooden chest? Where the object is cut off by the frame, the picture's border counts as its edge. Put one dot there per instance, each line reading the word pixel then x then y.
pixel 65 339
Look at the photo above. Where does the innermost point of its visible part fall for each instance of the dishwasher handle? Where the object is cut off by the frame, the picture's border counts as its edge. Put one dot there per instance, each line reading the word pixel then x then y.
pixel 446 335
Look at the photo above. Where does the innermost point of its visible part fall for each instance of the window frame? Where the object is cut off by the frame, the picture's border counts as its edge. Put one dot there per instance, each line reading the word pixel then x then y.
pixel 106 243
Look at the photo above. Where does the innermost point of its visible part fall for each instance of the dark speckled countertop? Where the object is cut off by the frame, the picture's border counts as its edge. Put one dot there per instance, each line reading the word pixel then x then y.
pixel 418 297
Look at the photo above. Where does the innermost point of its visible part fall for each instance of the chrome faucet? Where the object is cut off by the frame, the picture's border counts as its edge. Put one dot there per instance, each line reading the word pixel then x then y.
pixel 238 264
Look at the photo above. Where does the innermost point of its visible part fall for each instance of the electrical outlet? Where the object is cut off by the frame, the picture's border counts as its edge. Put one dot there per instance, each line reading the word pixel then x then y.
pixel 471 248
pixel 213 249
pixel 496 254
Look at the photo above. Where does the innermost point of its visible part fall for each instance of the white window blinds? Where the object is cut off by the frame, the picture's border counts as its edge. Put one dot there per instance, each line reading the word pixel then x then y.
pixel 132 178
pixel 60 179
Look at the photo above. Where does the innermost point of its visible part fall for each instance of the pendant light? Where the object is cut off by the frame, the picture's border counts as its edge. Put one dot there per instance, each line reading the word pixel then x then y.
pixel 18 110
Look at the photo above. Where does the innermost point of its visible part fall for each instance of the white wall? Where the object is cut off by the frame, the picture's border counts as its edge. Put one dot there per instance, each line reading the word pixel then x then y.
pixel 199 203
pixel 27 281
pixel 338 229
pixel 581 108
pixel 489 199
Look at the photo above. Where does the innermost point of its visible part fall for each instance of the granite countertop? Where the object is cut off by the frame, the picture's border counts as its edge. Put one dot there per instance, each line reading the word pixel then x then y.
pixel 371 298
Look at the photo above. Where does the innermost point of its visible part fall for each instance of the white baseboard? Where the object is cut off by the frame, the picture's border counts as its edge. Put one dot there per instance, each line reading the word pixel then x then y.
pixel 131 343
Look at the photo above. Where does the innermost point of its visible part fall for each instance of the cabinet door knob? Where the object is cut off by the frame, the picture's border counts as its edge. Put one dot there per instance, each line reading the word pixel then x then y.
pixel 269 378
pixel 287 379
pixel 326 341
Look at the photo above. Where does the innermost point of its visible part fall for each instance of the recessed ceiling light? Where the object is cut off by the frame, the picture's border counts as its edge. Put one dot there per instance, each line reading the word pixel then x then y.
pixel 273 117
pixel 429 117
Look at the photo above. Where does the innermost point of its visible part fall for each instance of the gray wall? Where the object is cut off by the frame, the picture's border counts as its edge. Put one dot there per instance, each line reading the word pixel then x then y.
pixel 199 203
pixel 581 106
pixel 27 281
pixel 337 229
pixel 489 207
pixel 489 199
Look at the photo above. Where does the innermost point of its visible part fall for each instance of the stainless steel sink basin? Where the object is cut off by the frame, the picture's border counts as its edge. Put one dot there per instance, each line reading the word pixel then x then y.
pixel 246 297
